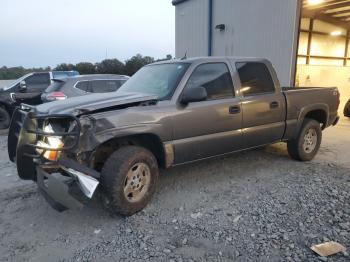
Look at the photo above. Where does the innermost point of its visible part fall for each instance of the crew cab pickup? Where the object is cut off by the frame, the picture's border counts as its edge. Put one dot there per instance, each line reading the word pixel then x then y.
pixel 169 113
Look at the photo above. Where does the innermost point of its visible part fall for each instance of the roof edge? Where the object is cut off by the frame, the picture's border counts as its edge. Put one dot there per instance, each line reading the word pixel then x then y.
pixel 177 2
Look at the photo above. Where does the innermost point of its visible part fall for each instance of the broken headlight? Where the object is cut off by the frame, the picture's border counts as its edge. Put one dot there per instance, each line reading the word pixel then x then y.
pixel 56 135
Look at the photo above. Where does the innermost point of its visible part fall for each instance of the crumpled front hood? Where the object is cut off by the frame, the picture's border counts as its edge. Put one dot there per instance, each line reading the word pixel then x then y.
pixel 90 103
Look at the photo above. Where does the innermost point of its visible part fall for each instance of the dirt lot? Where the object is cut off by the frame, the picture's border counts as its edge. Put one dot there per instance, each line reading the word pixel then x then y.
pixel 253 206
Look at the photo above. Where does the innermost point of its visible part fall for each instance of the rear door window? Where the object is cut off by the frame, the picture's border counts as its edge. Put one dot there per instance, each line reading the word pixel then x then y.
pixel 38 79
pixel 83 85
pixel 255 78
pixel 105 86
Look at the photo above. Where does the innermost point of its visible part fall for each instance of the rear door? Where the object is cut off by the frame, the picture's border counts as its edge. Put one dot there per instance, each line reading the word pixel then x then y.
pixel 263 105
pixel 211 127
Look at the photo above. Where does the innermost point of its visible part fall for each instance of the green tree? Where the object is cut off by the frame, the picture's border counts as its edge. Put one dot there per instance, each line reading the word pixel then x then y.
pixel 16 72
pixel 65 67
pixel 168 57
pixel 136 62
pixel 85 68
pixel 110 66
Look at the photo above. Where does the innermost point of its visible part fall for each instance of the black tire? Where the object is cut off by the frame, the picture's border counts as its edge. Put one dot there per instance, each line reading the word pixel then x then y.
pixel 296 146
pixel 347 109
pixel 114 179
pixel 5 118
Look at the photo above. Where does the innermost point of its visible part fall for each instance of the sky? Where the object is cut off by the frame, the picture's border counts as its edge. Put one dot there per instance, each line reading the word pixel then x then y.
pixel 39 33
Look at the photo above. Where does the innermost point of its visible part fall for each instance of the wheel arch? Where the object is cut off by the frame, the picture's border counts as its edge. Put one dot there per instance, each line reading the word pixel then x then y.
pixel 150 141
pixel 318 112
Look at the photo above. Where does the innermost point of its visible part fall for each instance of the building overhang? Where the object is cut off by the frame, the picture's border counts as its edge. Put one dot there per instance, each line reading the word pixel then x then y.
pixel 177 2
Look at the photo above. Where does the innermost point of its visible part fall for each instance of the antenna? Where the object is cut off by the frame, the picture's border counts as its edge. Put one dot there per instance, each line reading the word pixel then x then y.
pixel 185 57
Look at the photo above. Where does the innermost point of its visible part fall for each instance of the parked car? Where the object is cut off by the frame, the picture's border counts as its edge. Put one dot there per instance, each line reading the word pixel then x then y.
pixel 61 89
pixel 26 89
pixel 169 113
pixel 347 109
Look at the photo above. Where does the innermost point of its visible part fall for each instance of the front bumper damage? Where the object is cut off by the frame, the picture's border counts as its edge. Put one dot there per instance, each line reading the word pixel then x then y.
pixel 57 187
pixel 56 180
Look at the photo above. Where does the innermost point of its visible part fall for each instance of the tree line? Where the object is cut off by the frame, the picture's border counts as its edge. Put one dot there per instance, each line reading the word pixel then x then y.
pixel 107 66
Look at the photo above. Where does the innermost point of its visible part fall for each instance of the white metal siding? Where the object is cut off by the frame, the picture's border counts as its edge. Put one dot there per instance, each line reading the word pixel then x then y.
pixel 192 28
pixel 254 28
pixel 259 29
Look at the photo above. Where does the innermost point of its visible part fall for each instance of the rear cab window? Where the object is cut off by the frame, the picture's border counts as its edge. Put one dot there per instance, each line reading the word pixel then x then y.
pixel 255 78
pixel 215 78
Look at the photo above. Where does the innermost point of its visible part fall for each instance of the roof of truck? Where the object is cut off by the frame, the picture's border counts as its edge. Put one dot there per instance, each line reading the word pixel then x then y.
pixel 212 59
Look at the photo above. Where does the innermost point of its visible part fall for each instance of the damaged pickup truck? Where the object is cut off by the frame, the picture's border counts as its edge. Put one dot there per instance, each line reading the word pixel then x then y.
pixel 167 114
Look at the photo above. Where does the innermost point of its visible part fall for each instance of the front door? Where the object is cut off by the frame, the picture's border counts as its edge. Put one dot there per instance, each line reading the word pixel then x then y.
pixel 263 106
pixel 211 127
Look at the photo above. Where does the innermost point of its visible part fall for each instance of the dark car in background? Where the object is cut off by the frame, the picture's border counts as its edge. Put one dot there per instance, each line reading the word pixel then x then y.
pixel 347 109
pixel 61 89
pixel 28 90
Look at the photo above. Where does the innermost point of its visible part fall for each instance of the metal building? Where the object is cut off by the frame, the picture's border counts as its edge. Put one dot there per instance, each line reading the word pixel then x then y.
pixel 253 28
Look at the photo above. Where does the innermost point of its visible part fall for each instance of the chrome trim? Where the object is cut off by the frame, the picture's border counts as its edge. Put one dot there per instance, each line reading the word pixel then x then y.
pixel 12 96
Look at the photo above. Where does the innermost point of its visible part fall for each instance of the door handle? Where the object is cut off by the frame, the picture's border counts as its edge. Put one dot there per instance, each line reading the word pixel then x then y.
pixel 235 109
pixel 274 104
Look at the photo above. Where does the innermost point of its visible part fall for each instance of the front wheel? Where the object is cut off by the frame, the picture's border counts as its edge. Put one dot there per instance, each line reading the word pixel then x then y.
pixel 306 145
pixel 128 180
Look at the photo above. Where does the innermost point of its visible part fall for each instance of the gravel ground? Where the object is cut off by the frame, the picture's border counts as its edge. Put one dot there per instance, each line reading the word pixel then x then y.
pixel 252 206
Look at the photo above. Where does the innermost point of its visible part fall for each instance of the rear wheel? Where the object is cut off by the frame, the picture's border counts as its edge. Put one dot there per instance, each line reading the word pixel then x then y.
pixel 347 109
pixel 128 180
pixel 5 118
pixel 306 145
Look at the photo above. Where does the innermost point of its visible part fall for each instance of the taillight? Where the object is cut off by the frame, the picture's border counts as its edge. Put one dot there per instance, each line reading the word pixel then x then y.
pixel 56 96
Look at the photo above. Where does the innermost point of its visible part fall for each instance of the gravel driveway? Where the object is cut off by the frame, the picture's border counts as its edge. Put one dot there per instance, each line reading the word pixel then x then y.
pixel 253 206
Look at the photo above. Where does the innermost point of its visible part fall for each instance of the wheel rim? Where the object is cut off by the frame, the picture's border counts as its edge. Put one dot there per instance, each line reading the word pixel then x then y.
pixel 310 140
pixel 137 182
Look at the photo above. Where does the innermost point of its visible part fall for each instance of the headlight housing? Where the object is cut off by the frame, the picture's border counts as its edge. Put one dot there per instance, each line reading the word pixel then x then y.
pixel 51 142
pixel 55 136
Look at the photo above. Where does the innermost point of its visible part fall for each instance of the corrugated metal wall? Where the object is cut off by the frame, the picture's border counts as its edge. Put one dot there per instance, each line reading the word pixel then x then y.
pixel 254 28
pixel 192 28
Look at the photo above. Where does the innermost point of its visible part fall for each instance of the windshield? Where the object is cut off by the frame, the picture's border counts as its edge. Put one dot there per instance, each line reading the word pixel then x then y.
pixel 55 86
pixel 156 80
pixel 16 82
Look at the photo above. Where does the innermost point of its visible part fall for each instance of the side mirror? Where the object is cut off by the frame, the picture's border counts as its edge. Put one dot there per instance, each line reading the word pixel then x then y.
pixel 195 94
pixel 22 86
